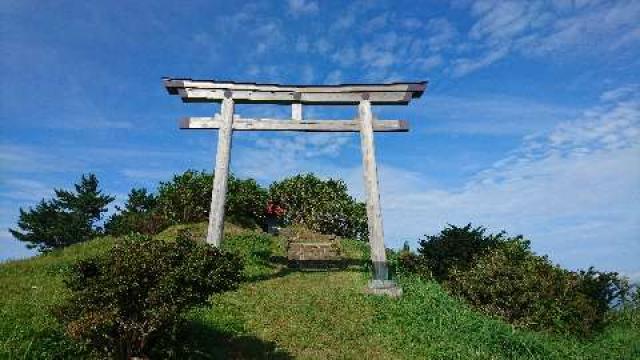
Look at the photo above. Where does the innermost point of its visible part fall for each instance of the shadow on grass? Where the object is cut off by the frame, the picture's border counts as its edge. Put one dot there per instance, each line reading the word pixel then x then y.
pixel 340 264
pixel 287 267
pixel 207 342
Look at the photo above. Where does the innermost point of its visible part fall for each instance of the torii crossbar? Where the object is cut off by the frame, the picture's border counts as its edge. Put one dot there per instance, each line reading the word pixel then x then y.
pixel 229 93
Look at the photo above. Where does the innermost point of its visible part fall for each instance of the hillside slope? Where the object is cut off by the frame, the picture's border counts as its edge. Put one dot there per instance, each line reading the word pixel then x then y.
pixel 278 313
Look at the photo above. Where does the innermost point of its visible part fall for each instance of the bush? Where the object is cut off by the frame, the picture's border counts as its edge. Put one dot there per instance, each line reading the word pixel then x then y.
pixel 528 290
pixel 67 219
pixel 408 262
pixel 187 199
pixel 246 202
pixel 138 216
pixel 131 301
pixel 455 247
pixel 502 276
pixel 321 205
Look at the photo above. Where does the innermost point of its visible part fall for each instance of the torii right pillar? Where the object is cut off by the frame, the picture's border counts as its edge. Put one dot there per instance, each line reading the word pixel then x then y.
pixel 380 283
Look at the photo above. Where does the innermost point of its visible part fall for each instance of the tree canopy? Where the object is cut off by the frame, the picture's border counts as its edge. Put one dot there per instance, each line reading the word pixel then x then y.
pixel 70 217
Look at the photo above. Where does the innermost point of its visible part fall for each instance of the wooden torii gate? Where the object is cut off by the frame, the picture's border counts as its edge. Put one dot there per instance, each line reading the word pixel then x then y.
pixel 230 93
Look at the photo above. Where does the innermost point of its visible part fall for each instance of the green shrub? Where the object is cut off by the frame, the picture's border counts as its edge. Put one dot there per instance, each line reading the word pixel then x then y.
pixel 246 202
pixel 138 216
pixel 455 247
pixel 500 275
pixel 410 263
pixel 187 199
pixel 131 301
pixel 512 282
pixel 321 205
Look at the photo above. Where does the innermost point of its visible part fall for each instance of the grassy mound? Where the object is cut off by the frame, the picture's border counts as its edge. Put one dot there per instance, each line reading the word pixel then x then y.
pixel 278 313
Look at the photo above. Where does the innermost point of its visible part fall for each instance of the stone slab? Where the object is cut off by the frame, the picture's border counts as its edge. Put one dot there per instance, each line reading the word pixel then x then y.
pixel 383 287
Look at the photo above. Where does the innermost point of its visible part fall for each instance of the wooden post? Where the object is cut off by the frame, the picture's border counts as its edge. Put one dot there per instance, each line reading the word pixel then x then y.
pixel 296 111
pixel 374 214
pixel 221 174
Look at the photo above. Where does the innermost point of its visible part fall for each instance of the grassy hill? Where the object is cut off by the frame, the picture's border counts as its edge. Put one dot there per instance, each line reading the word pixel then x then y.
pixel 278 313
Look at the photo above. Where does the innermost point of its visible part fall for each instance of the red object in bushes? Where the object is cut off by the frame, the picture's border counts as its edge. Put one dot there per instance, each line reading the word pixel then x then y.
pixel 274 209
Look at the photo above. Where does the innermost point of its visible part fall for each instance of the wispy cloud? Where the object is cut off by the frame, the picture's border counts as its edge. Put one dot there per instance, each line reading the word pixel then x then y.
pixel 22 189
pixel 489 114
pixel 270 157
pixel 538 28
pixel 573 188
pixel 303 7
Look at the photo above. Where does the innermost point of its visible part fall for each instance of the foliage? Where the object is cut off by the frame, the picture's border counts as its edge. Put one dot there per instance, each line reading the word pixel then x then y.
pixel 131 300
pixel 410 263
pixel 283 315
pixel 138 216
pixel 455 247
pixel 187 199
pixel 321 205
pixel 528 290
pixel 67 219
pixel 502 276
pixel 246 202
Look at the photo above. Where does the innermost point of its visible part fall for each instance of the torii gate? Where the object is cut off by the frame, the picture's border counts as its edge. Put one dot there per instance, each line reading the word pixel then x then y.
pixel 363 95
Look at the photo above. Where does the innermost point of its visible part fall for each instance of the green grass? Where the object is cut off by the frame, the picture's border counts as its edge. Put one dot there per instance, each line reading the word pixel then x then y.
pixel 282 314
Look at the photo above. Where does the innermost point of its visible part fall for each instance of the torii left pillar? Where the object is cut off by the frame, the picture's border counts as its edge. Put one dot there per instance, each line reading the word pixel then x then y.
pixel 221 173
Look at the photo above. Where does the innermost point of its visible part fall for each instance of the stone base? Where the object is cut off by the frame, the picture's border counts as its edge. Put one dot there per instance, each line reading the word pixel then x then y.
pixel 383 287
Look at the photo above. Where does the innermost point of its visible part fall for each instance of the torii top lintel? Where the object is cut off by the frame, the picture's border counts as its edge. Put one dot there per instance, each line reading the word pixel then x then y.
pixel 191 90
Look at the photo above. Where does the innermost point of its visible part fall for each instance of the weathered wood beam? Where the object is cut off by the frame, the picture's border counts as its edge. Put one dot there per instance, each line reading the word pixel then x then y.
pixel 242 124
pixel 221 174
pixel 374 212
pixel 173 84
pixel 289 97
pixel 296 111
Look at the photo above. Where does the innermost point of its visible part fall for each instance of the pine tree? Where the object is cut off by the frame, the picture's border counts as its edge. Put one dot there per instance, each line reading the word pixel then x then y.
pixel 138 215
pixel 67 219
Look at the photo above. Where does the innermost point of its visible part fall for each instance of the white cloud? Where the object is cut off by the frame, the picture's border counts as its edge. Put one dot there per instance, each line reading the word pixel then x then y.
pixel 574 191
pixel 12 249
pixel 540 29
pixel 488 114
pixel 302 44
pixel 267 35
pixel 260 32
pixel 465 66
pixel 440 33
pixel 149 175
pixel 271 157
pixel 303 7
pixel 322 46
pixel 411 23
pixel 307 75
pixel 376 23
pixel 621 92
pixel 334 77
pixel 428 63
pixel 346 56
pixel 345 21
pixel 22 189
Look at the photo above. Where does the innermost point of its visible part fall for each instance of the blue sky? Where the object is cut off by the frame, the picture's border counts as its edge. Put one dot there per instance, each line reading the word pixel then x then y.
pixel 531 122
